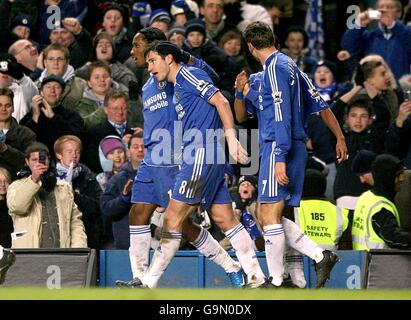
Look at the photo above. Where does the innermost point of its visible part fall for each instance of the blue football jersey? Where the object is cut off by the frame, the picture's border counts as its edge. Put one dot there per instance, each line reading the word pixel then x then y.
pixel 192 91
pixel 159 117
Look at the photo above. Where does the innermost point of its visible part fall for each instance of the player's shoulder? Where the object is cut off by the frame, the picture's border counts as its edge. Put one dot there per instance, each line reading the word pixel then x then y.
pixel 150 81
pixel 256 77
pixel 192 74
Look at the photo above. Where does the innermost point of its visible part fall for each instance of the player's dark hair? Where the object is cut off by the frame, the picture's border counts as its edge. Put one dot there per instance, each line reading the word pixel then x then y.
pixel 260 35
pixel 152 34
pixel 154 47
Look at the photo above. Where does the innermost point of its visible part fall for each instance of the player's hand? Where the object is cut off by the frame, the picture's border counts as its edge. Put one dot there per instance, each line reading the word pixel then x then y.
pixel 240 81
pixel 235 149
pixel 341 150
pixel 280 173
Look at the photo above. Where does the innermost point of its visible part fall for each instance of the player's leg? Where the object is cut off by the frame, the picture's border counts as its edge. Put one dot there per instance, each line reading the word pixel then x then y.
pixel 271 198
pixel 204 242
pixel 269 215
pixel 140 237
pixel 325 260
pixel 241 241
pixel 145 200
pixel 175 215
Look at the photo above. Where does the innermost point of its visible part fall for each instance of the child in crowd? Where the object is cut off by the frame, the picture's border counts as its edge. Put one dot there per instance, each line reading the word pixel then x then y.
pixel 112 158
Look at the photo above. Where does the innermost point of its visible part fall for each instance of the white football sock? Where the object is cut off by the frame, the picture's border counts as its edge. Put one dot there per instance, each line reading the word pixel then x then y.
pixel 140 238
pixel 211 249
pixel 243 246
pixel 295 267
pixel 274 250
pixel 299 241
pixel 169 244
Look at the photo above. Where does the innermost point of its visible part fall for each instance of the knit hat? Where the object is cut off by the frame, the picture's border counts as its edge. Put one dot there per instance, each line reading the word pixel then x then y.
pixel 114 6
pixel 195 25
pixel 192 5
pixel 159 14
pixel 251 179
pixel 326 63
pixel 21 20
pixel 362 162
pixel 176 29
pixel 315 183
pixel 55 79
pixel 111 143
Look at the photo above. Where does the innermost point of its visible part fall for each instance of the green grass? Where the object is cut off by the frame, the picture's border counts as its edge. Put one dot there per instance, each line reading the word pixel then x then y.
pixel 199 294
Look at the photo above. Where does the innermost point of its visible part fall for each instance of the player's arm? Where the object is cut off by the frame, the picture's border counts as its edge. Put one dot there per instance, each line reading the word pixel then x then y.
pixel 223 108
pixel 240 109
pixel 201 64
pixel 331 121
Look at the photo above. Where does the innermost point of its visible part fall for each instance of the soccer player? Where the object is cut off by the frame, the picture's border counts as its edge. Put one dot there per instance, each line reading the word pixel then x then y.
pixel 7 259
pixel 203 112
pixel 156 176
pixel 282 107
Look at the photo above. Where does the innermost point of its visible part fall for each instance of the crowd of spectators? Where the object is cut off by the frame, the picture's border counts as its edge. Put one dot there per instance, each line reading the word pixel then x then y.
pixel 70 88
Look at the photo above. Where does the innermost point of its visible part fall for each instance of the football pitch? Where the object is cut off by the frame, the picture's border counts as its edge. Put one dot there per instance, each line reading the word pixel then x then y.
pixel 199 294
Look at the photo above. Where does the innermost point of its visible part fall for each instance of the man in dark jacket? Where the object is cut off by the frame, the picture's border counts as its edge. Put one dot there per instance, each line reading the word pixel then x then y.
pixel 397 138
pixel 115 201
pixel 48 118
pixel 14 138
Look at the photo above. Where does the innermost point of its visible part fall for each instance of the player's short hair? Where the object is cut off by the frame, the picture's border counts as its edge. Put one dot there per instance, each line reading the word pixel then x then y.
pixel 153 47
pixel 260 35
pixel 152 34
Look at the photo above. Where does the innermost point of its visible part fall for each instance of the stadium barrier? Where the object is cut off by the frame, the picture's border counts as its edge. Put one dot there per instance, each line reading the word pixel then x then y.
pixel 189 269
pixel 53 268
pixel 389 269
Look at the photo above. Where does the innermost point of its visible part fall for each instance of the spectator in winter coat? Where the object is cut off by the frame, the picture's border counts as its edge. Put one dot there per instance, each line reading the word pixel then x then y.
pixel 14 138
pixel 6 224
pixel 115 200
pixel 44 206
pixel 83 181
